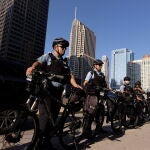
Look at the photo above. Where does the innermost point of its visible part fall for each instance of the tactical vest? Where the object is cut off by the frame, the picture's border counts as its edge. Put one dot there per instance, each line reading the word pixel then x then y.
pixel 128 94
pixel 128 88
pixel 59 67
pixel 99 81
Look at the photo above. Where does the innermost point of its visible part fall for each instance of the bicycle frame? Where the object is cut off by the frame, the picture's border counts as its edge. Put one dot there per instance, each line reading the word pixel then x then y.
pixel 57 127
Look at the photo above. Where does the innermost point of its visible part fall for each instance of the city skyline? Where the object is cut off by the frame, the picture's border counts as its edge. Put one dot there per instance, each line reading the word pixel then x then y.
pixel 23 29
pixel 117 24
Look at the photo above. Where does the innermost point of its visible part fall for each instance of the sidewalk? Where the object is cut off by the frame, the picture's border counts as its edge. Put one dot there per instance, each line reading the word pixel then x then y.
pixel 133 139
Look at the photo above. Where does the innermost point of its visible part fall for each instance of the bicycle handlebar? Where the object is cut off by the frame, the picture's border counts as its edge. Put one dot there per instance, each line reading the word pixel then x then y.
pixel 49 76
pixel 55 76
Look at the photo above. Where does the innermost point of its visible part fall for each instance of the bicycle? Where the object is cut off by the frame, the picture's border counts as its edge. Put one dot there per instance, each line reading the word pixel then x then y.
pixel 106 104
pixel 17 123
pixel 94 111
pixel 143 109
pixel 18 120
pixel 68 126
pixel 136 111
pixel 113 108
pixel 114 111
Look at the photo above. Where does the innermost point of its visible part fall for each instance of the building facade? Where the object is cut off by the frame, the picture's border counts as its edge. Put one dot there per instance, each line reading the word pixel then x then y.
pixel 120 58
pixel 145 75
pixel 139 70
pixel 81 50
pixel 134 71
pixel 23 29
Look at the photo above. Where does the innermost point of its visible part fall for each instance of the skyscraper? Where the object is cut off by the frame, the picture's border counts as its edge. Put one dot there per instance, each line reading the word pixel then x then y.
pixel 139 70
pixel 145 75
pixel 82 49
pixel 134 71
pixel 120 58
pixel 23 29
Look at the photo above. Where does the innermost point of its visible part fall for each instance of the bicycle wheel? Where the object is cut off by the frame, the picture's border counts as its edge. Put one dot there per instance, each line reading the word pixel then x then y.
pixel 71 130
pixel 145 112
pixel 117 118
pixel 24 135
pixel 131 117
pixel 8 120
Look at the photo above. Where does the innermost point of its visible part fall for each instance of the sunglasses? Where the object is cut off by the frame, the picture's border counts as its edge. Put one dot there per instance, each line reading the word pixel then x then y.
pixel 99 64
pixel 62 46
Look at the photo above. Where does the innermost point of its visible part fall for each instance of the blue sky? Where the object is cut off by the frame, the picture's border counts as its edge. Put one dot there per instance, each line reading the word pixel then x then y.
pixel 116 23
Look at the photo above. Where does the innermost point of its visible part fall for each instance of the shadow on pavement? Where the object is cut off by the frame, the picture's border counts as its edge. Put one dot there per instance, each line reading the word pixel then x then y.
pixel 85 143
pixel 16 147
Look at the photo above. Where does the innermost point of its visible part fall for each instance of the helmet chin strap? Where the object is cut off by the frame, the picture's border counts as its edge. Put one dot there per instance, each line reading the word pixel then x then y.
pixel 60 55
pixel 57 51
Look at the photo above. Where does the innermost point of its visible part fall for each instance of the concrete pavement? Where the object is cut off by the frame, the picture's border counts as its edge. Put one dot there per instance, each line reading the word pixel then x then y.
pixel 133 139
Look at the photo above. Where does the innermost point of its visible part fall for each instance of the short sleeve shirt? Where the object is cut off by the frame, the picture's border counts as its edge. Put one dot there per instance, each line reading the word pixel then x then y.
pixel 47 59
pixel 122 88
pixel 90 75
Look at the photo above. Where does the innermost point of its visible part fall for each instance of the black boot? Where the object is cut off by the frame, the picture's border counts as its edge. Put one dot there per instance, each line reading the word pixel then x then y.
pixel 99 129
pixel 45 144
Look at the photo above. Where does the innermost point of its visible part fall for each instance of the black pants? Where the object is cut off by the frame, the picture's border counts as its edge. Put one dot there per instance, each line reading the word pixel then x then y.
pixel 48 110
pixel 88 119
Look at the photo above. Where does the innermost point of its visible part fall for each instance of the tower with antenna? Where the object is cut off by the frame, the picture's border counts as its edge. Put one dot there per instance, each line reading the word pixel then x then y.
pixel 82 41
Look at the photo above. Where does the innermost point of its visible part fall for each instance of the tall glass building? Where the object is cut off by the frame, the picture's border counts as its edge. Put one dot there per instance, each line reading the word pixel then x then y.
pixel 22 29
pixel 134 71
pixel 82 49
pixel 119 60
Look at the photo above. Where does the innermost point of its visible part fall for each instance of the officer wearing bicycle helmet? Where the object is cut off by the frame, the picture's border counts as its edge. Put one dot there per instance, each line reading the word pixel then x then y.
pixel 138 87
pixel 127 78
pixel 94 83
pixel 92 75
pixel 138 90
pixel 126 84
pixel 127 90
pixel 54 63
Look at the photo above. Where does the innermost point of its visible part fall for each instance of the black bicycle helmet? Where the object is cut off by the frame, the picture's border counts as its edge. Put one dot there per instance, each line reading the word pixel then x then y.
pixel 138 83
pixel 126 78
pixel 60 41
pixel 98 62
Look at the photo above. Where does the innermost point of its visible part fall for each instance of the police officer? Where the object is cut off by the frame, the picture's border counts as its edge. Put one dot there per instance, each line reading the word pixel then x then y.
pixel 140 100
pixel 95 80
pixel 53 63
pixel 126 89
pixel 128 96
pixel 126 84
pixel 138 88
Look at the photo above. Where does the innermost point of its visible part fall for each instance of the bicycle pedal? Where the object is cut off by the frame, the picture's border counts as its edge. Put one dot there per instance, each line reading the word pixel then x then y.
pixel 13 138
